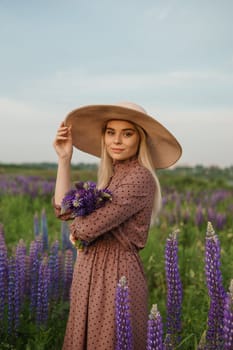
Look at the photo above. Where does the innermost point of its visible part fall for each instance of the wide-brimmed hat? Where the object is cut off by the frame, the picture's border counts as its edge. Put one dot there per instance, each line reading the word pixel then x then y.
pixel 88 122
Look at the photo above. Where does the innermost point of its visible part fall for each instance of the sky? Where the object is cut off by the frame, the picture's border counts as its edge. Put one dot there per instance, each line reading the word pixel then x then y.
pixel 174 58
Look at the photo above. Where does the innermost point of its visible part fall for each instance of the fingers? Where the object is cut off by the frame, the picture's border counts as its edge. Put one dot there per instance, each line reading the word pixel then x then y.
pixel 63 132
pixel 63 142
pixel 64 127
pixel 72 239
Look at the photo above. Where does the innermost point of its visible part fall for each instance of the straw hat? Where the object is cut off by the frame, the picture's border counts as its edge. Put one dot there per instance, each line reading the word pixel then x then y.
pixel 88 122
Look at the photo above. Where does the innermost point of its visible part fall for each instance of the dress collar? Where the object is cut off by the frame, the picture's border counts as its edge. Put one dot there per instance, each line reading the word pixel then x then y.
pixel 124 164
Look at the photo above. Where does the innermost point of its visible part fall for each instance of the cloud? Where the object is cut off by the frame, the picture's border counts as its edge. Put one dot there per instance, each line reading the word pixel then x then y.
pixel 81 84
pixel 10 108
pixel 197 94
pixel 28 131
pixel 155 12
pixel 211 116
pixel 205 135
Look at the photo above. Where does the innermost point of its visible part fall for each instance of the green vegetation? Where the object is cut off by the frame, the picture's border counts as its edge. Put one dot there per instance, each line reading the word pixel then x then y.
pixel 185 191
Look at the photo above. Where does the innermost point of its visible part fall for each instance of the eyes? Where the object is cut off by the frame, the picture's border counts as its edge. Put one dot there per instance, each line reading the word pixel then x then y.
pixel 124 133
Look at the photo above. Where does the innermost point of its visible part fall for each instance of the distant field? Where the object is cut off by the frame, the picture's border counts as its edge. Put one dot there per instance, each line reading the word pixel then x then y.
pixel 191 198
pixel 48 170
pixel 180 176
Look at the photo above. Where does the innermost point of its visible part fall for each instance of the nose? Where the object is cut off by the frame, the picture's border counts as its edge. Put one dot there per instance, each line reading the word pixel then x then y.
pixel 117 138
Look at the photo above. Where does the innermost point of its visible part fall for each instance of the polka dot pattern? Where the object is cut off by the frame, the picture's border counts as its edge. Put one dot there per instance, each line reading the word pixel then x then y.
pixel 119 230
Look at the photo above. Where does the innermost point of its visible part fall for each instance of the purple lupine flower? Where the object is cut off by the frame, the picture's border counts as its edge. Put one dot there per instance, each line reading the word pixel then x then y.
pixel 36 225
pixel 29 185
pixel 67 273
pixel 42 306
pixel 177 207
pixel 174 292
pixel 155 330
pixel 11 289
pixel 66 243
pixel 2 239
pixel 35 254
pixel 171 217
pixel 3 282
pixel 14 304
pixel 228 320
pixel 164 201
pixel 186 216
pixel 221 219
pixel 217 294
pixel 20 258
pixel 199 217
pixel 188 196
pixel 44 230
pixel 54 271
pixel 27 276
pixel 211 215
pixel 218 196
pixel 123 324
pixel 3 273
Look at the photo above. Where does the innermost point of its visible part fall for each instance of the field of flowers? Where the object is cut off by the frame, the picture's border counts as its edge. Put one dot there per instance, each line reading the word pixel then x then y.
pixel 189 267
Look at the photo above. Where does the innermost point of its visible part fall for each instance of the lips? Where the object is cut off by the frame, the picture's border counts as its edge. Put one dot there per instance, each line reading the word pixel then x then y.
pixel 117 150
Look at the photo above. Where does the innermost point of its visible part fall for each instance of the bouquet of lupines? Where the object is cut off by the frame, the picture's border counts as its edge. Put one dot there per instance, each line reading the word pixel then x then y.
pixel 83 200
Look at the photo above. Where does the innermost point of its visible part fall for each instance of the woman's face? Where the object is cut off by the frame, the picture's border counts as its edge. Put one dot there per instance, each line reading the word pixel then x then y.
pixel 121 139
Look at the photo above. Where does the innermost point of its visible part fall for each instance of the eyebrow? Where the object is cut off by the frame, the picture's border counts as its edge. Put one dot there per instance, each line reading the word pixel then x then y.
pixel 126 129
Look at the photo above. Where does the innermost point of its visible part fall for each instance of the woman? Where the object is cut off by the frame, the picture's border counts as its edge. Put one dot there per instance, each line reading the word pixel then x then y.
pixel 131 145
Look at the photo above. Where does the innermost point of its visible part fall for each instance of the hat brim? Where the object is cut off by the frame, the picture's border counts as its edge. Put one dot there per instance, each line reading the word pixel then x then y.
pixel 87 123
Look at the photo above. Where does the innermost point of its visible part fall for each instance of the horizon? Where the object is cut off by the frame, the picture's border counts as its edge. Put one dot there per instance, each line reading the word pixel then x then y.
pixel 54 164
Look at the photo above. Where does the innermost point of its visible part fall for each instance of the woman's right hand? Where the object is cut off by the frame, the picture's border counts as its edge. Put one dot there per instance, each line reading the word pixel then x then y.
pixel 63 142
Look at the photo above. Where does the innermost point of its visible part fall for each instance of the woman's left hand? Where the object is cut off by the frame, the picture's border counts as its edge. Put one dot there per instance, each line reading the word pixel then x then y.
pixel 72 239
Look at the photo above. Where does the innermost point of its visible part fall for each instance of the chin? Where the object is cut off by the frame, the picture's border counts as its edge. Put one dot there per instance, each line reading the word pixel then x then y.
pixel 118 157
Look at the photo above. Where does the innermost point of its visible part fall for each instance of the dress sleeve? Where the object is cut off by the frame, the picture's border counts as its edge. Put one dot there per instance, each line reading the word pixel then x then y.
pixel 128 199
pixel 63 216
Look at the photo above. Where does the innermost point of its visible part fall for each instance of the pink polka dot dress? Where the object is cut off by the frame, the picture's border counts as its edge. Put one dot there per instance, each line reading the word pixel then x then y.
pixel 120 230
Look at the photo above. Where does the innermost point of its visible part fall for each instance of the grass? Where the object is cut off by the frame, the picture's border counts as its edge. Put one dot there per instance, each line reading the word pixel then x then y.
pixel 16 214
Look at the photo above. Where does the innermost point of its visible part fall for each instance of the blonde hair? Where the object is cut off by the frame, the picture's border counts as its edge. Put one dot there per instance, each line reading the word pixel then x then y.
pixel 105 170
